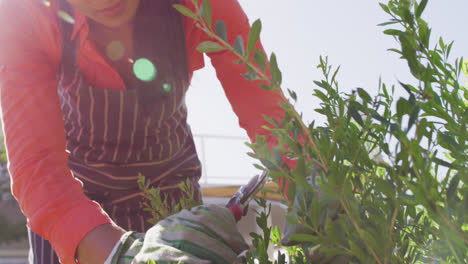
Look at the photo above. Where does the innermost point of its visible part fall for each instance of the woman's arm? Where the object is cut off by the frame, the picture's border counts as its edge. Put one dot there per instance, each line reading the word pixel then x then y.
pixel 49 196
pixel 247 99
pixel 96 246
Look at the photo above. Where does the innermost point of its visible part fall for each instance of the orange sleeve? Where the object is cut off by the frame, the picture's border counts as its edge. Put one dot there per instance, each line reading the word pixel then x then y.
pixel 49 196
pixel 248 100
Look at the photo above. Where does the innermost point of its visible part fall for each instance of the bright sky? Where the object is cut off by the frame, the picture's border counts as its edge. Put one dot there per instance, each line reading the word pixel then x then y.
pixel 299 31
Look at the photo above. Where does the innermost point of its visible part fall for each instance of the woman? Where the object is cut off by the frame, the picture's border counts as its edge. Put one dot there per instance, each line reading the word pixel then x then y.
pixel 81 120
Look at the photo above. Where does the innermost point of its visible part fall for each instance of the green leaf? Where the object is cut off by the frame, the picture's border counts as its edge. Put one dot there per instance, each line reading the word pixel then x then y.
pixel 364 95
pixel 447 141
pixel 269 165
pixel 408 47
pixel 385 8
pixel 332 232
pixel 395 129
pixel 413 117
pixel 408 199
pixel 437 99
pixel 408 16
pixel 210 46
pixel 403 107
pixel 465 68
pixel 220 29
pixel 409 88
pixel 449 48
pixel 385 187
pixel 239 45
pixel 421 7
pixel 259 59
pixel 392 32
pixel 388 23
pixel 292 94
pixel 304 238
pixel 206 12
pixel 299 173
pixel 266 87
pixel 370 238
pixel 247 76
pixel 453 187
pixel 380 118
pixel 395 50
pixel 424 32
pixel 356 116
pixel 275 72
pixel 254 35
pixel 291 191
pixel 185 11
pixel 358 252
pixel 277 156
pixel 323 85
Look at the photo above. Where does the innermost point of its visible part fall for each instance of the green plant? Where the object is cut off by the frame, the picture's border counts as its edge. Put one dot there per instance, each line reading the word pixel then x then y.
pixel 397 166
pixel 158 204
pixel 271 236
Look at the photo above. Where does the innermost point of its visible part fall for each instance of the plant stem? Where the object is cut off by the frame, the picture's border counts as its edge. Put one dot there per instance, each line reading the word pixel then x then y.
pixel 358 229
pixel 323 164
pixel 264 77
pixel 390 230
pixel 451 227
pixel 303 222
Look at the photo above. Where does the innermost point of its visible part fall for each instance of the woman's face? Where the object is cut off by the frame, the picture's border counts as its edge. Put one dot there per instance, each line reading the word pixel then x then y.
pixel 110 13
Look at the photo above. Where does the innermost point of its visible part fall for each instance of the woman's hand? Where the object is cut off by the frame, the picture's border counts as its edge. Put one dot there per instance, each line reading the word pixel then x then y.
pixel 96 246
pixel 205 234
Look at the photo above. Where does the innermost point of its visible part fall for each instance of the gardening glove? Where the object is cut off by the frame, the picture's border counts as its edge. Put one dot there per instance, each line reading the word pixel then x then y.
pixel 203 235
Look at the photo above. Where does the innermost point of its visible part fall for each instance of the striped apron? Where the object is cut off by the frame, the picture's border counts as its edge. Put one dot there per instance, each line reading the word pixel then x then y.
pixel 114 135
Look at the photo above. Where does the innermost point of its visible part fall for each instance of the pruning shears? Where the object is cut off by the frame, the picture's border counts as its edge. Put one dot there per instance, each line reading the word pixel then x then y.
pixel 239 202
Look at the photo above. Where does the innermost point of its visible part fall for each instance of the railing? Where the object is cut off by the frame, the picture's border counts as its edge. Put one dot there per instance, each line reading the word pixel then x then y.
pixel 14 256
pixel 224 159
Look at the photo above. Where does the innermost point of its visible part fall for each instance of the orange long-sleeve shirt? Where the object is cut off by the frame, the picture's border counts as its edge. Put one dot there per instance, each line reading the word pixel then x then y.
pixel 30 53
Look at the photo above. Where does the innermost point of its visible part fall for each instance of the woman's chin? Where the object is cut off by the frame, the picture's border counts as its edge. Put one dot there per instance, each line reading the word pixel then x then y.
pixel 118 16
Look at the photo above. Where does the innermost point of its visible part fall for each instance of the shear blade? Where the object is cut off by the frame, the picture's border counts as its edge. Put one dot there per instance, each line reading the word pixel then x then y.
pixel 251 189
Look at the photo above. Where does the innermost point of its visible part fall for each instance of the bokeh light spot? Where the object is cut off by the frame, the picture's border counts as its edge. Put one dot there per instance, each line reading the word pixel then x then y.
pixel 144 70
pixel 66 17
pixel 167 87
pixel 115 50
pixel 46 3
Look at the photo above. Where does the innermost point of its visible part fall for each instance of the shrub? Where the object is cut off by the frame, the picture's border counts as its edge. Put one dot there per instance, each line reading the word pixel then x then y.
pixel 383 180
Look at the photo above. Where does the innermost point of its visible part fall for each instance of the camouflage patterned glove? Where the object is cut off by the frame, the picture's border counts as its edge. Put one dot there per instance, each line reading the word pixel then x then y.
pixel 203 235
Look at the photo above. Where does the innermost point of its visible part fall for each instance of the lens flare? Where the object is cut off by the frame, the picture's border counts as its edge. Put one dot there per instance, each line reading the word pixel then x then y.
pixel 115 50
pixel 66 17
pixel 144 70
pixel 167 87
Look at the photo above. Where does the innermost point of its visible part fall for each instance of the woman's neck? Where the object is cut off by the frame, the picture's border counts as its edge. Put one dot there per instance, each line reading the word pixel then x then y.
pixel 116 44
pixel 99 32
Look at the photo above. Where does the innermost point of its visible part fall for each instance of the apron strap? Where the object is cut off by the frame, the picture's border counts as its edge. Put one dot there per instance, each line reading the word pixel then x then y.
pixel 159 37
pixel 69 47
